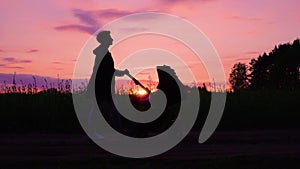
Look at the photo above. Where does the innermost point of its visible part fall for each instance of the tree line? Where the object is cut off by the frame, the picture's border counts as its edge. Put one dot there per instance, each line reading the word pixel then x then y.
pixel 276 70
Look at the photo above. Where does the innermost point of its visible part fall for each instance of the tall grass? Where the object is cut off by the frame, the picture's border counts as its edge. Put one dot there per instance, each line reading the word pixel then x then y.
pixel 62 86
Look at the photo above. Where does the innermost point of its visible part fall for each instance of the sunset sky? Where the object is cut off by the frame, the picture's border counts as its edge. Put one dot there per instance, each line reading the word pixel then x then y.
pixel 45 37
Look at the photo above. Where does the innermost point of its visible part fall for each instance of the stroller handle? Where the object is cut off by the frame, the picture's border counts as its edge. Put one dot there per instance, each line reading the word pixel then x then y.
pixel 138 83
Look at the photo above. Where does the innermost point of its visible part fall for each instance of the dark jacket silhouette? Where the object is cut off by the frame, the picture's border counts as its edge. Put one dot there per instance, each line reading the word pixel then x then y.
pixel 103 80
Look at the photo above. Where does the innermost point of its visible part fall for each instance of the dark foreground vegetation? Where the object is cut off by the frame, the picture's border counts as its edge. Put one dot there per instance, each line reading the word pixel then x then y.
pixel 47 113
pixel 37 113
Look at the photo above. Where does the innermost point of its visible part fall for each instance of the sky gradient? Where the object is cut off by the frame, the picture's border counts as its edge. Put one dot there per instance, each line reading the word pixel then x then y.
pixel 45 37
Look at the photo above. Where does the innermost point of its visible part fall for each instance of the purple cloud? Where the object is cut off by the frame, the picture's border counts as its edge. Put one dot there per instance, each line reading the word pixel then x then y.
pixel 89 20
pixel 32 51
pixel 25 61
pixel 14 60
pixel 88 23
pixel 81 28
pixel 1 65
pixel 112 13
pixel 85 16
pixel 9 59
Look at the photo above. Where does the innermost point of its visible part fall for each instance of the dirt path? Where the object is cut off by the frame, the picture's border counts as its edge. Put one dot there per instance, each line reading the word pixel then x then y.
pixel 31 148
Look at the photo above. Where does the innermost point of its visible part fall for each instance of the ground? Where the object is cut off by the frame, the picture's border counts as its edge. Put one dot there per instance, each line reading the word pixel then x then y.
pixel 225 149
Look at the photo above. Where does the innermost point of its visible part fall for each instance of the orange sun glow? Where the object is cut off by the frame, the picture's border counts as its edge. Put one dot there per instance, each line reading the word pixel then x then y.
pixel 141 92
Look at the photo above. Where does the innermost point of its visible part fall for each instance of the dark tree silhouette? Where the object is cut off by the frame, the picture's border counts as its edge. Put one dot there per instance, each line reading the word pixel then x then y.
pixel 238 77
pixel 277 70
pixel 259 72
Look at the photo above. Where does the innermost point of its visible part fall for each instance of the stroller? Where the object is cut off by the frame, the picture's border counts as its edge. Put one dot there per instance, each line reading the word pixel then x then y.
pixel 170 85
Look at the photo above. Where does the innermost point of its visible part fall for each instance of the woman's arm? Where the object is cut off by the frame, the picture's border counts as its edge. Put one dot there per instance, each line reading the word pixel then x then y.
pixel 121 72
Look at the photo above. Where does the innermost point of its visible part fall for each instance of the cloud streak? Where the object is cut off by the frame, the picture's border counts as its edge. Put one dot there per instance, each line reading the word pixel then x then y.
pixel 25 61
pixel 84 16
pixel 91 21
pixel 251 53
pixel 76 27
pixel 18 51
pixel 245 19
pixel 112 13
pixel 9 59
pixel 169 3
pixel 57 63
pixel 87 22
pixel 14 67
pixel 14 60
pixel 243 59
pixel 11 67
pixel 32 51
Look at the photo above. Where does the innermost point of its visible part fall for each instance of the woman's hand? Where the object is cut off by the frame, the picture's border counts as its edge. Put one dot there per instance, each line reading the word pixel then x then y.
pixel 125 72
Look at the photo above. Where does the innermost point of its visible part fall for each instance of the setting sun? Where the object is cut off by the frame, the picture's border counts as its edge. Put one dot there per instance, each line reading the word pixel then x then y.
pixel 141 92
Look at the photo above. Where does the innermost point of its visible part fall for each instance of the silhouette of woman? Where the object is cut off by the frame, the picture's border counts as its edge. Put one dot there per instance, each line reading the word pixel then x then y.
pixel 104 80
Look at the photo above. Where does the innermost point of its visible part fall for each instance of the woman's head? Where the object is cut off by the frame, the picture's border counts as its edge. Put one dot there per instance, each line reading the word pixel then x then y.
pixel 104 38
